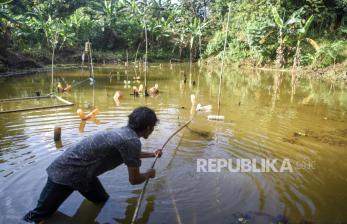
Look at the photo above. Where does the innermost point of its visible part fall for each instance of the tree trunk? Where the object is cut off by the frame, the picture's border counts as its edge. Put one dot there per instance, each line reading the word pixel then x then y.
pixel 280 52
pixel 296 61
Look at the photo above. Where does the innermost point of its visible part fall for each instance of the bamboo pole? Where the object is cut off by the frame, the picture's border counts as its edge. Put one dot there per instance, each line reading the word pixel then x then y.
pixel 34 108
pixel 91 59
pixel 52 70
pixel 64 101
pixel 153 164
pixel 146 93
pixel 67 103
pixel 25 98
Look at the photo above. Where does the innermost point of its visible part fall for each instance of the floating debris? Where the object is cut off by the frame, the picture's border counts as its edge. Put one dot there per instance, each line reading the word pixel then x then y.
pixel 206 108
pixel 8 174
pixel 30 157
pixel 203 134
pixel 215 117
pixel 335 138
pixel 297 134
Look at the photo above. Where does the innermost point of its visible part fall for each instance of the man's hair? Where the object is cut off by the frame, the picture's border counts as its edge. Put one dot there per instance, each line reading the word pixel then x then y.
pixel 141 118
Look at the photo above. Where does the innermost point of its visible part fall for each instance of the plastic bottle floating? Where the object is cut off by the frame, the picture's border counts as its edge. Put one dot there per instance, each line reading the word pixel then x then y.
pixel 206 108
pixel 88 116
pixel 126 82
pixel 215 117
pixel 91 81
pixel 154 90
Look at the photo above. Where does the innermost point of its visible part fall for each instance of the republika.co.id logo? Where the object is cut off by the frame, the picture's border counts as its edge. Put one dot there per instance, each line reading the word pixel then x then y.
pixel 214 165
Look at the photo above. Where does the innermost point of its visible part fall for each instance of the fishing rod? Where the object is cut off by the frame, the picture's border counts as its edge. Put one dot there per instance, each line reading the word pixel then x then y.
pixel 147 180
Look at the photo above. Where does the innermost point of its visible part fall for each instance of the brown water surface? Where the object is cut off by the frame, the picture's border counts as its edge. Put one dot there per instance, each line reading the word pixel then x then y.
pixel 267 116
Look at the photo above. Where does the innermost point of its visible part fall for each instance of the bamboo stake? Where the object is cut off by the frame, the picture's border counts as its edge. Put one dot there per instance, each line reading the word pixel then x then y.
pixel 126 64
pixel 146 93
pixel 153 164
pixel 52 69
pixel 91 60
pixel 222 66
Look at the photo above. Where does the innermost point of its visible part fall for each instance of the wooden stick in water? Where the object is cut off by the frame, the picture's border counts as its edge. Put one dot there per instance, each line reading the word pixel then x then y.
pixel 62 100
pixel 25 98
pixel 153 164
pixel 35 108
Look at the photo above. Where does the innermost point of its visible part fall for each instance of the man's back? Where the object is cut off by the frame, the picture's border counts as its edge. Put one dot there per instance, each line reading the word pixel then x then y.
pixel 94 155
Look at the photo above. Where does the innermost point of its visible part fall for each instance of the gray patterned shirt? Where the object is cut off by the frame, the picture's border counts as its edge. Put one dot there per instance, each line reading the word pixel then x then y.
pixel 95 155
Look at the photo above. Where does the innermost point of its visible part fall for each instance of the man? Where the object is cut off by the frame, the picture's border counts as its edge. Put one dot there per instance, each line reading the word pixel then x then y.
pixel 78 167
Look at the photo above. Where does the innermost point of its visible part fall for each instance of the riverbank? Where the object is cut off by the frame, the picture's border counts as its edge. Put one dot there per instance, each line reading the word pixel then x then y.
pixel 33 61
pixel 12 61
pixel 332 73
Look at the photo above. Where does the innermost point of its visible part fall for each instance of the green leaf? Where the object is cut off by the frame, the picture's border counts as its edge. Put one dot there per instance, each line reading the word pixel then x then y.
pixel 5 1
pixel 308 23
pixel 277 18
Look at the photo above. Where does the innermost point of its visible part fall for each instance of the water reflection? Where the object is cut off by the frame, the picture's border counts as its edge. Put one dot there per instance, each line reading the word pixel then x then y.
pixel 130 209
pixel 86 213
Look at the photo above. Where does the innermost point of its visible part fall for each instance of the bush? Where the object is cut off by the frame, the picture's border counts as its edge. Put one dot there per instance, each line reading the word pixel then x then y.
pixel 328 54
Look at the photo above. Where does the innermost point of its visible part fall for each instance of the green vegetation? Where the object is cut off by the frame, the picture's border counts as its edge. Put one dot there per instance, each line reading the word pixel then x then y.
pixel 261 32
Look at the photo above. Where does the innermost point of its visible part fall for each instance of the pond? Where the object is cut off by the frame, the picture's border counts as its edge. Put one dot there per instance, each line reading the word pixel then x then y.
pixel 267 115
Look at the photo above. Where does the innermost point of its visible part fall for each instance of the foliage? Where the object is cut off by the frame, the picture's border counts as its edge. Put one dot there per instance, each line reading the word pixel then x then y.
pixel 328 54
pixel 260 30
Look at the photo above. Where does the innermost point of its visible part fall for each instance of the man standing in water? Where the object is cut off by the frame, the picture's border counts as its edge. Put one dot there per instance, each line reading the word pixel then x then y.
pixel 79 166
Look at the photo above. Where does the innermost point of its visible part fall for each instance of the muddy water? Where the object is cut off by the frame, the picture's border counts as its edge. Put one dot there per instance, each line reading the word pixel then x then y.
pixel 267 116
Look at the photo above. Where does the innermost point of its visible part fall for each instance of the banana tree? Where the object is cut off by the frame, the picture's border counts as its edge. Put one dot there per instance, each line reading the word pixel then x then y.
pixel 8 21
pixel 55 31
pixel 55 34
pixel 285 28
pixel 302 32
pixel 195 31
pixel 5 24
pixel 107 13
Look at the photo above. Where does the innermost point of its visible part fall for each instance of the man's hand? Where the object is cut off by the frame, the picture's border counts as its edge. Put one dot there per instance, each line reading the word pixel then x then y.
pixel 151 173
pixel 135 177
pixel 158 153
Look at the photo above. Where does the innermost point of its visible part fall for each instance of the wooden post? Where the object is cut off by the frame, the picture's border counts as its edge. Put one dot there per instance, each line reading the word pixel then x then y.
pixel 57 133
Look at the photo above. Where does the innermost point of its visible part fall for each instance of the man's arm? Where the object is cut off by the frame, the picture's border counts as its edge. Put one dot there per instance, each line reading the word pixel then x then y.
pixel 151 154
pixel 147 155
pixel 135 177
